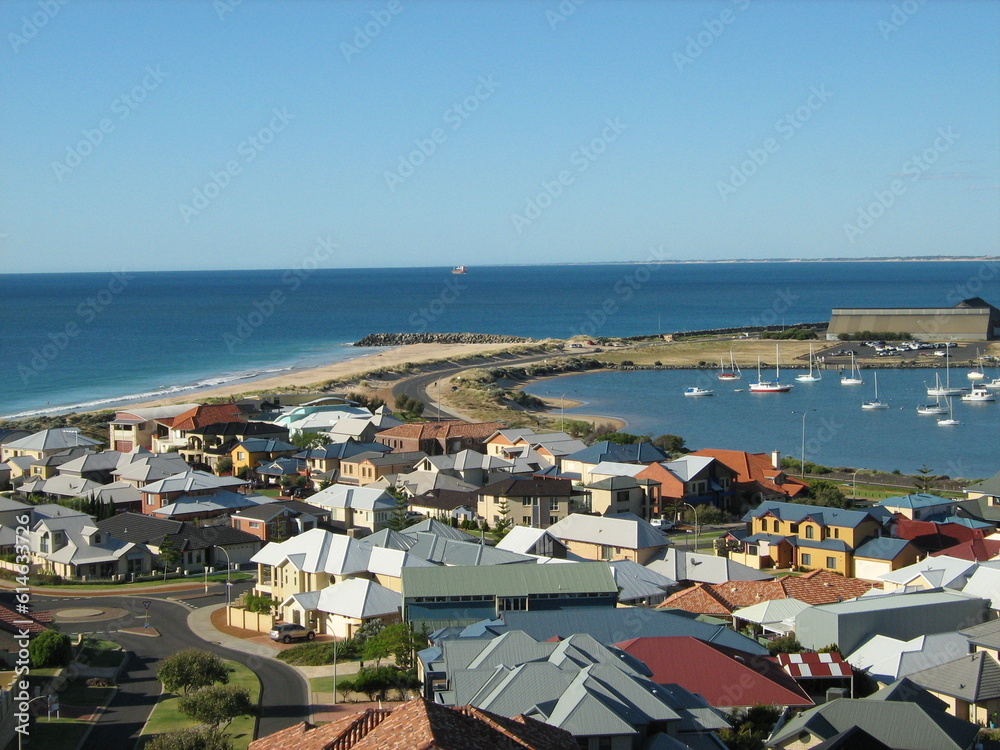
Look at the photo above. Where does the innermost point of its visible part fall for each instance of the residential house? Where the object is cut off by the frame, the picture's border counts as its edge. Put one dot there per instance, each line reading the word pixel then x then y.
pixel 74 546
pixel 695 480
pixel 342 609
pixel 930 573
pixel 546 448
pixel 921 506
pixel 172 432
pixel 363 429
pixel 637 585
pixel 185 485
pixel 902 616
pixel 623 494
pixel 322 463
pixel 583 461
pixel 610 625
pixel 275 522
pixel 722 599
pixel 985 582
pixel 526 540
pixel 726 677
pixel 358 510
pixel 775 616
pixel 251 453
pixel 790 535
pixel 984 637
pixel 148 468
pixel 136 428
pixel 934 536
pixel 443 503
pixel 908 719
pixel 759 476
pixel 319 415
pixel 415 483
pixel 694 567
pixel 438 438
pixel 199 546
pixel 421 723
pixel 616 537
pixel 595 692
pixel 462 595
pixel 970 685
pixel 46 443
pixel 886 659
pixel 470 466
pixel 539 503
pixel 365 468
pixel 977 549
pixel 984 499
pixel 882 555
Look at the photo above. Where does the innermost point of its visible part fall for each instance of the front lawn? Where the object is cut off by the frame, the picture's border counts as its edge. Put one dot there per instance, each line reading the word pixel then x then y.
pixel 167 717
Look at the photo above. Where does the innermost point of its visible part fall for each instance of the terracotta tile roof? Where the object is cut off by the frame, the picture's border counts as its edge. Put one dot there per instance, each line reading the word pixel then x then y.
pixel 724 676
pixel 12 622
pixel 754 467
pixel 977 549
pixel 817 587
pixel 421 725
pixel 441 430
pixel 203 414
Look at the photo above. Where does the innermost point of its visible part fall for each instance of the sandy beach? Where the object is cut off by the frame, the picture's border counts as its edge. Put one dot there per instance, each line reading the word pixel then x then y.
pixel 348 368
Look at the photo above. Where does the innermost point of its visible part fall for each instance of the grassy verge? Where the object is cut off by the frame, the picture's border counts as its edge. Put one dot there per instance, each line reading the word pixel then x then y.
pixel 167 717
pixel 99 653
pixel 214 577
pixel 59 733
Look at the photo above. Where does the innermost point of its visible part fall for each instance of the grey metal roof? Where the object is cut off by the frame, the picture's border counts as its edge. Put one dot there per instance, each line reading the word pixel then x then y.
pixel 433 526
pixel 985 634
pixel 638 582
pixel 901 725
pixel 509 580
pixel 619 530
pixel 613 625
pixel 882 548
pixel 905 690
pixel 971 678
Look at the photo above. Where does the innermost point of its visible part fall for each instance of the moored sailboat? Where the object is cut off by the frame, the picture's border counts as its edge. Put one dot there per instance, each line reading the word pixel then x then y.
pixel 768 386
pixel 734 370
pixel 810 377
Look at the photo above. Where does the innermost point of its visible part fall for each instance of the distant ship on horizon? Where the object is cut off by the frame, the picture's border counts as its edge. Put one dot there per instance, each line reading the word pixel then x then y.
pixel 459 269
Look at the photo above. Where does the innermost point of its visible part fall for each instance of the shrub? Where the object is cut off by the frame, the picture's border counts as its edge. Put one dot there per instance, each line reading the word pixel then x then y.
pixel 50 649
pixel 191 669
pixel 190 739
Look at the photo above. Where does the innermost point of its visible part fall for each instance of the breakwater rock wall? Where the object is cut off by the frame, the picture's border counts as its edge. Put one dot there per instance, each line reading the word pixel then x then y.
pixel 401 339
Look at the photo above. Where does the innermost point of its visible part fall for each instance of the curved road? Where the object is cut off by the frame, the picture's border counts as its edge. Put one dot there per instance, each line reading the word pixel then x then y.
pixel 416 386
pixel 284 694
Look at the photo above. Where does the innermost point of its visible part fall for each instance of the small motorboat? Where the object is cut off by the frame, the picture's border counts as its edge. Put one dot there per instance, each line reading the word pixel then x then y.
pixel 696 391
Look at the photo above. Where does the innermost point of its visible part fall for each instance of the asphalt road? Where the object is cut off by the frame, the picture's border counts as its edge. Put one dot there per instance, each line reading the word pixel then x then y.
pixel 284 695
pixel 416 387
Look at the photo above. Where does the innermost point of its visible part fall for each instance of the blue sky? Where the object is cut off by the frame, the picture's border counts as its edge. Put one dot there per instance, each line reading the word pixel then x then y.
pixel 195 134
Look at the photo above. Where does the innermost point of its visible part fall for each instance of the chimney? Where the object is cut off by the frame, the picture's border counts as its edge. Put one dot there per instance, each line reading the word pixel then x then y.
pixel 776 459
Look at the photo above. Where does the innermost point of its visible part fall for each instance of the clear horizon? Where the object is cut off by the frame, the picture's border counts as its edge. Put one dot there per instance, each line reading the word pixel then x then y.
pixel 225 134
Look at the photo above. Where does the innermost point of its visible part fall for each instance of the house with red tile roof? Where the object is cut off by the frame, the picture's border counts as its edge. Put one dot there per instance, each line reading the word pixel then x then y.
pixel 173 432
pixel 721 599
pixel 726 677
pixel 931 536
pixel 438 438
pixel 977 549
pixel 422 724
pixel 758 476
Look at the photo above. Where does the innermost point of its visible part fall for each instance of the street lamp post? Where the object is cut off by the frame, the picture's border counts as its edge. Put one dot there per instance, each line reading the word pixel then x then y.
pixel 229 566
pixel 20 735
pixel 695 524
pixel 802 454
pixel 854 485
pixel 335 669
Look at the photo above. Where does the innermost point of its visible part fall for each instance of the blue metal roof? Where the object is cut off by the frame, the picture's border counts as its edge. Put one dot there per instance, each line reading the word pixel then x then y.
pixel 882 548
pixel 795 513
pixel 916 500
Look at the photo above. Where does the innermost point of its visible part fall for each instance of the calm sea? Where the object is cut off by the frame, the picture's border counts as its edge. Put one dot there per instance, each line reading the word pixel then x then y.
pixel 838 432
pixel 77 341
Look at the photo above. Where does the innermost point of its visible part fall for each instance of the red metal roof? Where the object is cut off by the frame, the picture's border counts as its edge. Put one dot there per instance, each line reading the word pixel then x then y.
pixel 815 665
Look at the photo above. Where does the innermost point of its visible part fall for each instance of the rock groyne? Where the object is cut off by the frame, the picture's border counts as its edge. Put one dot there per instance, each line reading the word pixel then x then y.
pixel 401 339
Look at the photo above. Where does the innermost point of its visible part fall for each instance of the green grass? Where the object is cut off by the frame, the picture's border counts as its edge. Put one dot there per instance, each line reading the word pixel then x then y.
pixel 325 684
pixel 99 653
pixel 167 717
pixel 78 694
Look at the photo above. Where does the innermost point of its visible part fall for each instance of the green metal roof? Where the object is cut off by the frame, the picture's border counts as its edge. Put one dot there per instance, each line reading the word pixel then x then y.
pixel 509 580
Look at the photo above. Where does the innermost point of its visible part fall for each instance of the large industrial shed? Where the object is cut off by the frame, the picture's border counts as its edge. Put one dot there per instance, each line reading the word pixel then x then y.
pixel 970 320
pixel 902 616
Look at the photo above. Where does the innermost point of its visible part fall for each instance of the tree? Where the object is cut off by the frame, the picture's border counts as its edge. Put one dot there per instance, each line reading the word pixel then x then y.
pixel 50 649
pixel 924 480
pixel 750 727
pixel 397 639
pixel 673 445
pixel 218 704
pixel 826 493
pixel 504 523
pixel 191 739
pixel 309 440
pixel 398 516
pixel 169 555
pixel 786 644
pixel 621 438
pixel 224 466
pixel 191 669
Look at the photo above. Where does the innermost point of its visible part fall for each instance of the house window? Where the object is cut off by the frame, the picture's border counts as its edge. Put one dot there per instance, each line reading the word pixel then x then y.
pixel 831 562
pixel 810 532
pixel 836 533
pixel 254 525
pixel 553 503
pixel 763 524
pixel 526 501
pixel 606 553
pixel 806 559
pixel 526 520
pixel 553 520
pixel 792 528
pixel 241 456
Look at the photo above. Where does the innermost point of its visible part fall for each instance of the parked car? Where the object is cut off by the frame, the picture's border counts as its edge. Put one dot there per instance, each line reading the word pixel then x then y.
pixel 287 632
pixel 662 524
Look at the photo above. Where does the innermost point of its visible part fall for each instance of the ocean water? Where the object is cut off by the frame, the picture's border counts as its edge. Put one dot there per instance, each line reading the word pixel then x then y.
pixel 77 341
pixel 838 432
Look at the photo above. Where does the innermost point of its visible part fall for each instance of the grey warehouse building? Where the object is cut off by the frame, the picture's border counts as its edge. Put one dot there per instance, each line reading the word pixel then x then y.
pixel 903 616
